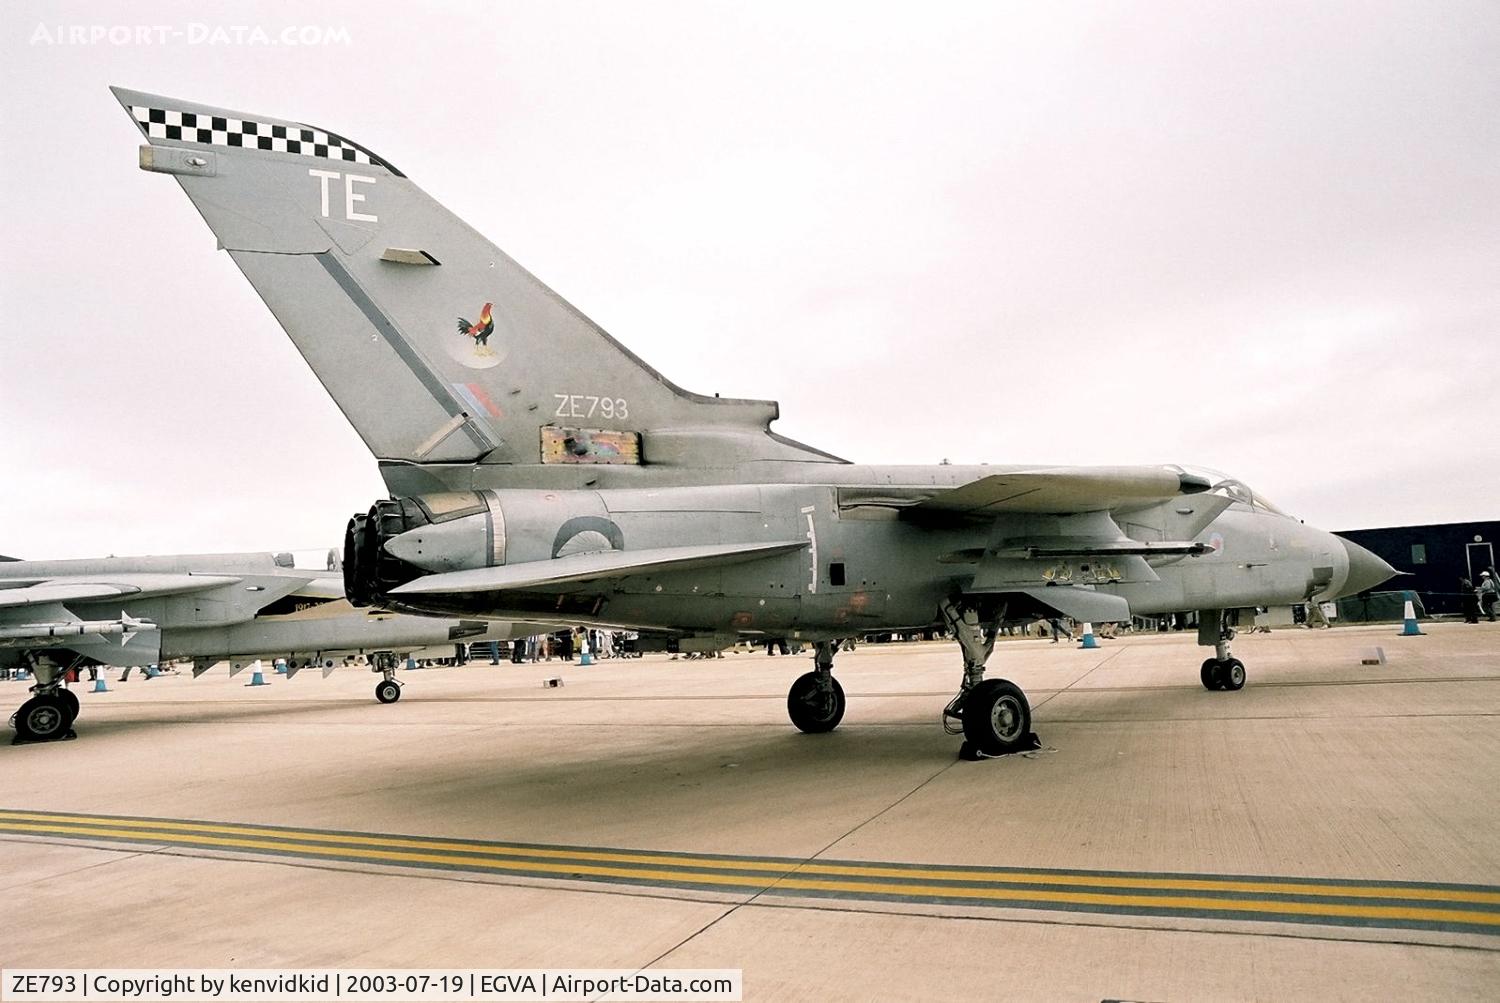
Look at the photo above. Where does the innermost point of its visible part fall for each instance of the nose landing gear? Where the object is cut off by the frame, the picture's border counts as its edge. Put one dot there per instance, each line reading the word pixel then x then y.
pixel 387 690
pixel 1223 671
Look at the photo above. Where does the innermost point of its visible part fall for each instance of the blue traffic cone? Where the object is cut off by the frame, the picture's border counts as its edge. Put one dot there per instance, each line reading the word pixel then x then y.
pixel 1088 637
pixel 1409 627
pixel 152 672
pixel 411 663
pixel 99 686
pixel 256 678
pixel 279 666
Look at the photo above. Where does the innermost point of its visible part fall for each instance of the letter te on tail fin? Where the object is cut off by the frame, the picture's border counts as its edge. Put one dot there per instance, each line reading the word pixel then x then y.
pixel 436 345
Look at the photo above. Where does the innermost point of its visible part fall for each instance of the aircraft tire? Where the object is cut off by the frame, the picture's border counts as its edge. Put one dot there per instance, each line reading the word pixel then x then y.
pixel 1210 674
pixel 997 717
pixel 812 709
pixel 42 719
pixel 387 691
pixel 70 704
pixel 1232 675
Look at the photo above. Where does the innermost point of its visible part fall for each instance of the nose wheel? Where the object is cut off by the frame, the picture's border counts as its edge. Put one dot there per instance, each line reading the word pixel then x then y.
pixel 1223 671
pixel 1228 674
pixel 387 690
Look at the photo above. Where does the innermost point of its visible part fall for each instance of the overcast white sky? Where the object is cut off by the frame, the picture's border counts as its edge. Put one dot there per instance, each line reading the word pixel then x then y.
pixel 1262 237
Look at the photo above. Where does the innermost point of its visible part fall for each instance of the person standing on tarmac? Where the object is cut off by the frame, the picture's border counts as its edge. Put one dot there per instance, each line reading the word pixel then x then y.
pixel 1469 597
pixel 1489 593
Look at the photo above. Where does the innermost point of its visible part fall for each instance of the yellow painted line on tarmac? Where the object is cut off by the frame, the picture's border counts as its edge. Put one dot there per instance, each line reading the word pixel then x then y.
pixel 1404 905
pixel 801 884
pixel 872 870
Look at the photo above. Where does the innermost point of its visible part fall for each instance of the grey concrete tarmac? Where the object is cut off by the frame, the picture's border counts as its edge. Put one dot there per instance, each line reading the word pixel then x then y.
pixel 1320 768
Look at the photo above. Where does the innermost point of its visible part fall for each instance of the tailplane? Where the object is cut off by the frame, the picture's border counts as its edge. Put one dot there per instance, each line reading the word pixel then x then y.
pixel 439 348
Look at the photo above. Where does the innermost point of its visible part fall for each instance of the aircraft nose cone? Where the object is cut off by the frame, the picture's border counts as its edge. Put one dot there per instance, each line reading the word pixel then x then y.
pixel 1366 570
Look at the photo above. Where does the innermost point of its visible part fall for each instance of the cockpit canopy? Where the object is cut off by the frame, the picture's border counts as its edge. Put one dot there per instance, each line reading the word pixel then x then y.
pixel 1236 489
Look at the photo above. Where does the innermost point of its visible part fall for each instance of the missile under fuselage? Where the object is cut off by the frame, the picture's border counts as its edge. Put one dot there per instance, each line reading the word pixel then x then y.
pixel 27 634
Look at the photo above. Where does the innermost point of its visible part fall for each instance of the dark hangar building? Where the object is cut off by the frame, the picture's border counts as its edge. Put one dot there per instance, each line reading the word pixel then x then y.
pixel 1436 557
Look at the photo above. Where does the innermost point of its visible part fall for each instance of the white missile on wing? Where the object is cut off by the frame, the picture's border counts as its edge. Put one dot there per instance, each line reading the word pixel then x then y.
pixel 126 627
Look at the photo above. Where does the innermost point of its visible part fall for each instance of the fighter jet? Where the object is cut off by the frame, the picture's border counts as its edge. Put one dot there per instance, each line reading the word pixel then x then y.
pixel 538 467
pixel 57 615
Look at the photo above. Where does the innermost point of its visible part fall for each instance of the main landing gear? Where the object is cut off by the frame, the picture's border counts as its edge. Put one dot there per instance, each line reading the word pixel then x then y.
pixel 49 715
pixel 815 703
pixel 993 714
pixel 1223 671
pixel 387 690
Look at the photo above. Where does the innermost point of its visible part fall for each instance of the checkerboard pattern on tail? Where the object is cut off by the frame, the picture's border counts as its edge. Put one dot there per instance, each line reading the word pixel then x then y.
pixel 190 127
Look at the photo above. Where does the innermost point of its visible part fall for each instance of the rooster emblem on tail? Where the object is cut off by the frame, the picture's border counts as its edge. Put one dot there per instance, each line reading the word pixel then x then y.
pixel 480 330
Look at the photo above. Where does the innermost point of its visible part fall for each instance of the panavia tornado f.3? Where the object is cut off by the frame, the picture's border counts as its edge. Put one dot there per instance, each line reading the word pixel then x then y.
pixel 57 615
pixel 538 468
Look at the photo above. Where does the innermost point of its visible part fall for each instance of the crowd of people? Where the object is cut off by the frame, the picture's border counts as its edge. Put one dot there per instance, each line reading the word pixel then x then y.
pixel 569 644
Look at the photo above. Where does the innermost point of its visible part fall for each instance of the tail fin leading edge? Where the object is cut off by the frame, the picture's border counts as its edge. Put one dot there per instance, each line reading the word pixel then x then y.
pixel 436 345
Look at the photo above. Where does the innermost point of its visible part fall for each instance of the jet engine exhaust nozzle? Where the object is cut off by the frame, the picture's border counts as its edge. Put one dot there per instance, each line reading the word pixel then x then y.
pixel 369 570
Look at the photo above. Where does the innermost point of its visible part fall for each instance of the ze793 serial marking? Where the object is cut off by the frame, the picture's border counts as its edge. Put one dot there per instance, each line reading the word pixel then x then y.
pixel 588 406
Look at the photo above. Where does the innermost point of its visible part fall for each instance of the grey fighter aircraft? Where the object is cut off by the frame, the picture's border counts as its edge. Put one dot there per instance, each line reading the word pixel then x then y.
pixel 56 615
pixel 539 468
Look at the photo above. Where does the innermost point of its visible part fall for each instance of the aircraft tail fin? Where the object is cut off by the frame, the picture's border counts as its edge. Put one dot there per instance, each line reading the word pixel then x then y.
pixel 438 347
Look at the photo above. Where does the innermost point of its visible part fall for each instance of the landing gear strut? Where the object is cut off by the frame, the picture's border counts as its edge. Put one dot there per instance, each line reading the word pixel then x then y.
pixel 387 690
pixel 993 714
pixel 1223 671
pixel 49 715
pixel 815 703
